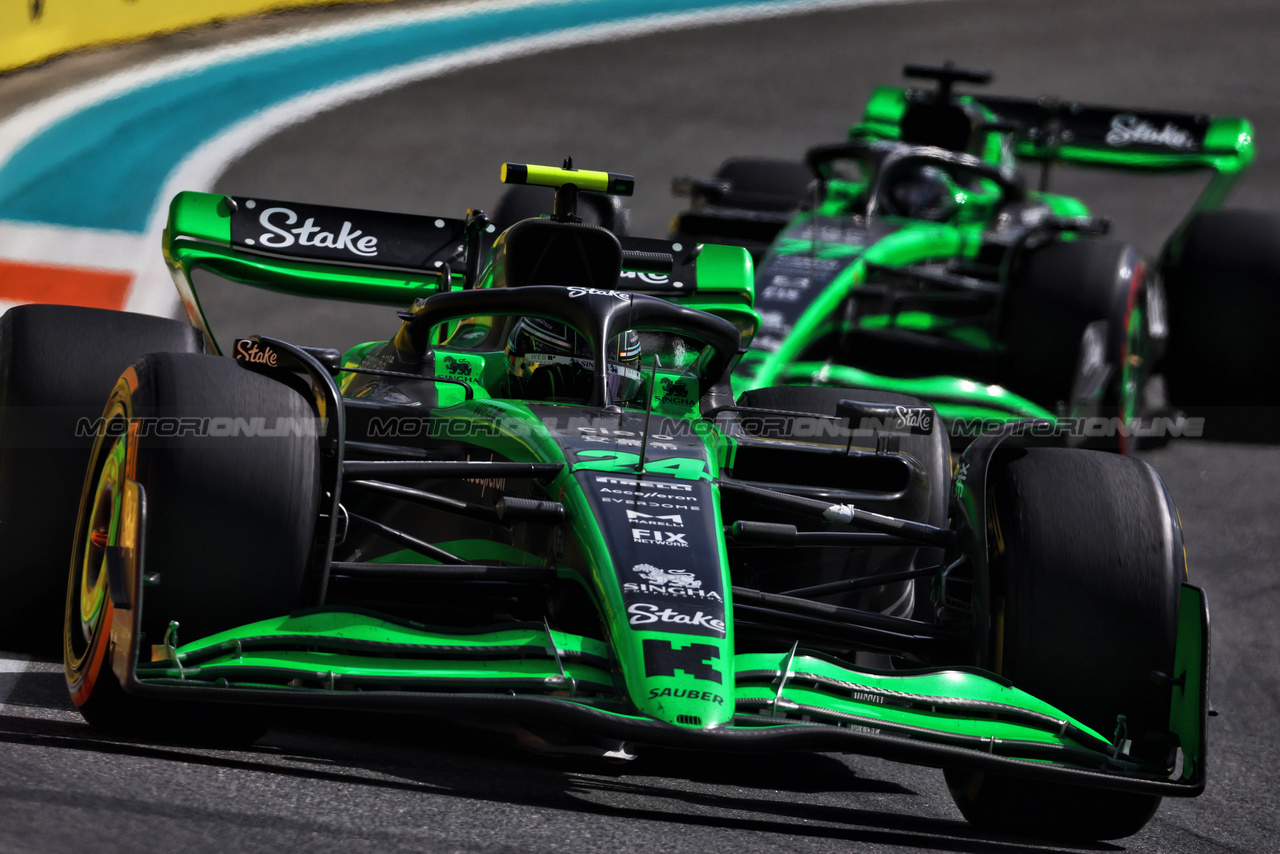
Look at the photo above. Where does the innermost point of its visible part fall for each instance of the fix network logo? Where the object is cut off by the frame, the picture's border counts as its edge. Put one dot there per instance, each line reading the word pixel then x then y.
pixel 658 538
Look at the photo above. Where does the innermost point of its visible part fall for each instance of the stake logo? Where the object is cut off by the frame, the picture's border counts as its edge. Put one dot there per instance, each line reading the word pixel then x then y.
pixel 277 236
pixel 1128 130
pixel 644 614
pixel 574 293
pixel 248 350
pixel 918 418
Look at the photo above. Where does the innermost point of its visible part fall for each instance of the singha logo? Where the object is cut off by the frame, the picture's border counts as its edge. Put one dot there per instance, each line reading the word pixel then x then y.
pixel 667 577
pixel 457 366
pixel 675 388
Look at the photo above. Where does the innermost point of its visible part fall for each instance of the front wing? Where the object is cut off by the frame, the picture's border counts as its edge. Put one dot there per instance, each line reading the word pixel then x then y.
pixel 349 659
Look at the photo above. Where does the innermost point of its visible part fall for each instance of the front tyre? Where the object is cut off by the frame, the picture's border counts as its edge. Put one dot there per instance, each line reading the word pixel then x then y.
pixel 57 365
pixel 230 474
pixel 1087 567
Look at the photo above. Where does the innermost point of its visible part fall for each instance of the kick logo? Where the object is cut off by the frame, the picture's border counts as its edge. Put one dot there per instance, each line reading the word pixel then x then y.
pixel 697 660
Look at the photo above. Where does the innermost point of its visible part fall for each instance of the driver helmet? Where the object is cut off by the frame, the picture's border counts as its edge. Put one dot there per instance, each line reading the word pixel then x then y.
pixel 924 192
pixel 548 360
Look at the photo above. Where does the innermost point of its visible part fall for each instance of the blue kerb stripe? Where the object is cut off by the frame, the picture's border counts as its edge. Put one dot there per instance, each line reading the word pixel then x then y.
pixel 104 166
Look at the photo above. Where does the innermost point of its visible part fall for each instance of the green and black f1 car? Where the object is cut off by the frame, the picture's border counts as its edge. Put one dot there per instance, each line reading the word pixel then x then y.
pixel 914 257
pixel 540 503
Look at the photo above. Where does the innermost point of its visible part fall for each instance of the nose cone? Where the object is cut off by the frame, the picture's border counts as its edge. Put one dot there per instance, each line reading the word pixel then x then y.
pixel 684 681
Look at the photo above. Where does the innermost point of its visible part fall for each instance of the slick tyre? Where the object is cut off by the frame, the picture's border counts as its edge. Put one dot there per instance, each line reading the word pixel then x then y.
pixel 1223 281
pixel 763 183
pixel 1087 567
pixel 1073 308
pixel 229 515
pixel 57 367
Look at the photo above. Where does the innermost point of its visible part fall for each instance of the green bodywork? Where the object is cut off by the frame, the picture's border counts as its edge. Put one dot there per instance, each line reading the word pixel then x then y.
pixel 336 650
pixel 346 652
pixel 1226 151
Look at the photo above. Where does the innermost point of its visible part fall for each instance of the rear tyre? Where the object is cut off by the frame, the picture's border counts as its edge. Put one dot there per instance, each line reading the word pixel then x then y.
pixel 57 365
pixel 1223 281
pixel 764 183
pixel 1072 307
pixel 230 516
pixel 1086 570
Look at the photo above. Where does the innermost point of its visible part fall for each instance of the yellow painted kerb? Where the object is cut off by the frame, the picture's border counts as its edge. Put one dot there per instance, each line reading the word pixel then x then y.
pixel 34 30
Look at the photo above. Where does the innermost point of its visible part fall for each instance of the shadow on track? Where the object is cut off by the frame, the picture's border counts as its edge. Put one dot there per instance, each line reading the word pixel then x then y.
pixel 431 758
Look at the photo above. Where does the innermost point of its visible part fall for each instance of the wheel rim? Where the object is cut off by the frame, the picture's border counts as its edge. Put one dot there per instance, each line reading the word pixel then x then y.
pixel 101 532
pixel 87 623
pixel 1135 357
pixel 1133 360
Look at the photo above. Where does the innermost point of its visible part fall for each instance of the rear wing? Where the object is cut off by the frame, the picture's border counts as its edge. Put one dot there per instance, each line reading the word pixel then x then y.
pixel 392 259
pixel 1050 131
pixel 1123 138
pixel 1089 135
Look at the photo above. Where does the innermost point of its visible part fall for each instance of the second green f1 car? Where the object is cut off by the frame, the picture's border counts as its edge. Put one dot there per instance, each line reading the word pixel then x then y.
pixel 915 256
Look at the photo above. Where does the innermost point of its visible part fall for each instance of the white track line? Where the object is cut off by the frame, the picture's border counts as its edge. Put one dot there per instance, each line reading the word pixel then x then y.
pixel 63 245
pixel 16 666
pixel 153 292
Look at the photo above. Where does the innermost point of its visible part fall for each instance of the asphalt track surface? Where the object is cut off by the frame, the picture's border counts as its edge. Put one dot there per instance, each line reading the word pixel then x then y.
pixel 656 107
